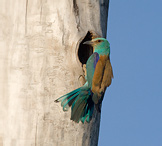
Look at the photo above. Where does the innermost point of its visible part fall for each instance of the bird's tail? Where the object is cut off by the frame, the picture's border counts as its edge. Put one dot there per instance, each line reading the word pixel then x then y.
pixel 81 104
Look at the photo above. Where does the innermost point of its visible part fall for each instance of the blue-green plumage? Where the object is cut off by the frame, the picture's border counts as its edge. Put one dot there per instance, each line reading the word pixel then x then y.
pixel 99 74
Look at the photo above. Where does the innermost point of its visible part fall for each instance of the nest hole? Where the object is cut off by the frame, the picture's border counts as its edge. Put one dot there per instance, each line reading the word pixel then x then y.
pixel 85 51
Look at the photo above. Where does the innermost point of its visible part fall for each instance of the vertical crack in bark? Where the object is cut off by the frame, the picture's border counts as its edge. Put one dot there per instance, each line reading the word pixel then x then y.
pixel 62 27
pixel 63 35
pixel 26 14
pixel 75 6
pixel 76 12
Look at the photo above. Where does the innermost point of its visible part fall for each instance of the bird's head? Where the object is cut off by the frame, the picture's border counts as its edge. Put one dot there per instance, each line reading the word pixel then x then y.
pixel 99 45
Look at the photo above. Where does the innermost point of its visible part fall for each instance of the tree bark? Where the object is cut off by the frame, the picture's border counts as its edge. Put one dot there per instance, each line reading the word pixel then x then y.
pixel 39 41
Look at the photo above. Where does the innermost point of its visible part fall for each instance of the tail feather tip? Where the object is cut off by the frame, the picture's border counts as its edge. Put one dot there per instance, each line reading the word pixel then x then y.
pixel 56 101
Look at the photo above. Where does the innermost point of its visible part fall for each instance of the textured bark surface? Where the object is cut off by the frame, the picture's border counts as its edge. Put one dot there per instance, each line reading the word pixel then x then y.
pixel 38 63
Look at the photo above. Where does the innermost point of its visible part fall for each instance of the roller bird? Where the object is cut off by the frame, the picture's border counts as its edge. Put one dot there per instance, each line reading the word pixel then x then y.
pixel 99 76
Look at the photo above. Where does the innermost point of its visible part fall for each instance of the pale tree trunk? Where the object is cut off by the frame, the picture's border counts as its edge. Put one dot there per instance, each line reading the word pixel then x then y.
pixel 39 41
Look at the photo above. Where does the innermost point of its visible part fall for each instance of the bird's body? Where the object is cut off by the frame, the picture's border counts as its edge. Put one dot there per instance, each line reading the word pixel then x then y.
pixel 99 76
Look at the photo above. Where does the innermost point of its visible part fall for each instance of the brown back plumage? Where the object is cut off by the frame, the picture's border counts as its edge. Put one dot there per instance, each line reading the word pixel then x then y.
pixel 102 77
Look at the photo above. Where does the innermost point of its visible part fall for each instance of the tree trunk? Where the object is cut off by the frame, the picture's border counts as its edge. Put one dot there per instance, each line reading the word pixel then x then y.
pixel 39 41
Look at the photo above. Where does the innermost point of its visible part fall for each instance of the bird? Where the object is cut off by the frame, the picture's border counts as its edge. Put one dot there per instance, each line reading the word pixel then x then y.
pixel 99 76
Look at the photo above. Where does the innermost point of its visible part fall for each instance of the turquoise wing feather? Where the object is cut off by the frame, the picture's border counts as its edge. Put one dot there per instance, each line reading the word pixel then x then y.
pixel 90 66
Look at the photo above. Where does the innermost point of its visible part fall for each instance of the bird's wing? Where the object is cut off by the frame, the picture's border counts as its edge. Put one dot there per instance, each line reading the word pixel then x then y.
pixel 90 67
pixel 101 78
pixel 98 75
pixel 107 76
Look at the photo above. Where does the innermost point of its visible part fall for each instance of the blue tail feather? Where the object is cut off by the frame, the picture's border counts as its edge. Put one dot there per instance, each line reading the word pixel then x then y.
pixel 78 107
pixel 66 105
pixel 63 99
pixel 85 114
pixel 90 112
pixel 80 101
